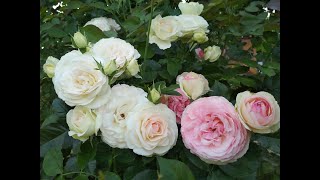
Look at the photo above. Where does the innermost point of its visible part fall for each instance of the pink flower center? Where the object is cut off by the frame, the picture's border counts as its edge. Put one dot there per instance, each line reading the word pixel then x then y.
pixel 189 77
pixel 212 132
pixel 261 106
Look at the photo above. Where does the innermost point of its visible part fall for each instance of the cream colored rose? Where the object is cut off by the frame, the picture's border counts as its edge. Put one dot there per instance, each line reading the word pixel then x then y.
pixel 104 24
pixel 212 53
pixel 115 49
pixel 191 8
pixel 151 129
pixel 50 66
pixel 258 112
pixel 114 114
pixel 82 123
pixel 191 24
pixel 193 85
pixel 78 82
pixel 164 30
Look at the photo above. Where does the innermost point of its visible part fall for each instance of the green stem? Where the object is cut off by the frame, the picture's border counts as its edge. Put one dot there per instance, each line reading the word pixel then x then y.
pixel 114 161
pixel 147 42
pixel 129 3
pixel 78 173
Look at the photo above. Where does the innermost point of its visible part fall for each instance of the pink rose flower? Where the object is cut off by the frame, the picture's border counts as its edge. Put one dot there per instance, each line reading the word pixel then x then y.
pixel 259 112
pixel 177 104
pixel 211 129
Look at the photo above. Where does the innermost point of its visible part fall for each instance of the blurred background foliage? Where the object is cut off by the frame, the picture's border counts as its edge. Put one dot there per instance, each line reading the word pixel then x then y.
pixel 247 32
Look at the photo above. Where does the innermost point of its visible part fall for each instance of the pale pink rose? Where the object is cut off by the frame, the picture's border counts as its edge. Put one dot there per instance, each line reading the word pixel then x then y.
pixel 176 103
pixel 211 129
pixel 259 112
pixel 193 85
pixel 200 53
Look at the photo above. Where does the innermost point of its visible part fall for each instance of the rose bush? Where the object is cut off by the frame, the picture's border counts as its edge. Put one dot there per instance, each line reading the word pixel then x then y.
pixel 117 77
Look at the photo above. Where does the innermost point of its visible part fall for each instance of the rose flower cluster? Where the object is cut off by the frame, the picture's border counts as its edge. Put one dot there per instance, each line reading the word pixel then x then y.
pixel 211 127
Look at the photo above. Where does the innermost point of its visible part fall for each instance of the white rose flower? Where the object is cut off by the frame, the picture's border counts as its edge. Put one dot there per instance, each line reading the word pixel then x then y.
pixel 191 8
pixel 82 123
pixel 151 129
pixel 50 66
pixel 212 53
pixel 113 24
pixel 164 30
pixel 104 24
pixel 114 114
pixel 192 84
pixel 115 49
pixel 192 23
pixel 77 81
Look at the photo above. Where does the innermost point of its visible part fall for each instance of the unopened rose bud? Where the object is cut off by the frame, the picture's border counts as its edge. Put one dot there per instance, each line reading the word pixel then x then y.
pixel 80 40
pixel 200 37
pixel 50 66
pixel 200 53
pixel 133 67
pixel 154 96
pixel 212 53
pixel 110 67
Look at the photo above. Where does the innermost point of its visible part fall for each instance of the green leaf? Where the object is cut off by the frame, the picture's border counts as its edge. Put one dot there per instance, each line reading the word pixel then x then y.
pixel 171 90
pixel 253 6
pixel 131 23
pixel 45 26
pixel 174 169
pixel 146 174
pixel 110 33
pixel 81 177
pixel 71 165
pixel 252 20
pixel 87 153
pixel 269 143
pixel 272 65
pixel 173 67
pixel 218 175
pixel 147 160
pixel 249 63
pixel 125 156
pixel 53 118
pixel 245 167
pixel 100 5
pixel 111 176
pixel 196 160
pixel 165 75
pixel 131 171
pixel 53 143
pixel 220 89
pixel 92 33
pixel 103 156
pixel 267 71
pixel 247 81
pixel 53 162
pixel 59 107
pixel 74 4
pixel 56 32
pixel 92 165
pixel 60 177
